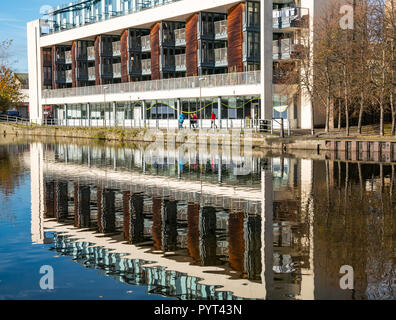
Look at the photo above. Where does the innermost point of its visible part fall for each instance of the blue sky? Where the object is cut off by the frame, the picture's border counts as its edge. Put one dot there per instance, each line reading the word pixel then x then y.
pixel 13 18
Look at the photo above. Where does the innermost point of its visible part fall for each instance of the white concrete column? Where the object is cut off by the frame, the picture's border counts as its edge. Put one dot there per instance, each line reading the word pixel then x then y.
pixel 34 67
pixel 178 104
pixel 267 230
pixel 115 113
pixel 37 192
pixel 266 37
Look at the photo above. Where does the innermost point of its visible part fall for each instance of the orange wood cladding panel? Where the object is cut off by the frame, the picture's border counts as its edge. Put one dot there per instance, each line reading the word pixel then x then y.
pixel 97 60
pixel 235 36
pixel 192 45
pixel 74 64
pixel 124 56
pixel 155 52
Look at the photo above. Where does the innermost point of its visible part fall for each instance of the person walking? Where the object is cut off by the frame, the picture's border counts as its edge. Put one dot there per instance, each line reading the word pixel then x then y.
pixel 213 120
pixel 181 121
pixel 195 121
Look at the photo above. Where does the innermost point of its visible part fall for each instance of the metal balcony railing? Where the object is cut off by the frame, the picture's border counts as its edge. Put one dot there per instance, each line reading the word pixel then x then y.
pixel 91 74
pixel 116 48
pixel 91 53
pixel 180 37
pixel 286 49
pixel 146 43
pixel 210 81
pixel 68 57
pixel 146 67
pixel 290 18
pixel 69 75
pixel 117 70
pixel 221 57
pixel 180 62
pixel 221 29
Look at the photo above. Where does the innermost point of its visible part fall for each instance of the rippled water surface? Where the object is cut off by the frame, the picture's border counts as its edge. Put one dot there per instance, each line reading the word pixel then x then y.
pixel 173 223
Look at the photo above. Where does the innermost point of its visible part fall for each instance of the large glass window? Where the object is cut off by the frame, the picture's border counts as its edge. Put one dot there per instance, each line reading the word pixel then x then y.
pixel 253 14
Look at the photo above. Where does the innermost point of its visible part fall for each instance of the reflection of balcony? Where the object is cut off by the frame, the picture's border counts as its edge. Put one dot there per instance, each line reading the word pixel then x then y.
pixel 146 43
pixel 91 53
pixel 68 57
pixel 146 67
pixel 221 30
pixel 180 62
pixel 117 70
pixel 116 48
pixel 180 37
pixel 290 18
pixel 221 57
pixel 91 74
pixel 284 49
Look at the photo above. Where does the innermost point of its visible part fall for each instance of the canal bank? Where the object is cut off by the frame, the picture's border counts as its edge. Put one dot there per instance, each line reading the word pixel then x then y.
pixel 224 137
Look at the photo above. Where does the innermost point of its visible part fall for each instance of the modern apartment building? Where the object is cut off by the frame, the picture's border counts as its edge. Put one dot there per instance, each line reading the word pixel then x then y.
pixel 143 62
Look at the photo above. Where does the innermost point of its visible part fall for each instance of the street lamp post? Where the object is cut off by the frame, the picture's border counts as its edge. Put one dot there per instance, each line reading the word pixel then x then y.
pixel 105 109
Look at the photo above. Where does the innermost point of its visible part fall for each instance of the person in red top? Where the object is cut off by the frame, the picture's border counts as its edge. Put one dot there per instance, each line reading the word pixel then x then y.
pixel 213 122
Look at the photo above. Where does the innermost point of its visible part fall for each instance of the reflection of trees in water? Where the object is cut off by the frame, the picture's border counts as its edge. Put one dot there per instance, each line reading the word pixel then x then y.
pixel 11 169
pixel 355 225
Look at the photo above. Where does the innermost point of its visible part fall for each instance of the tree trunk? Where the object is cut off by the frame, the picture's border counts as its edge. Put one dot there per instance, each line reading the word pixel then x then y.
pixel 339 114
pixel 361 113
pixel 346 112
pixel 393 114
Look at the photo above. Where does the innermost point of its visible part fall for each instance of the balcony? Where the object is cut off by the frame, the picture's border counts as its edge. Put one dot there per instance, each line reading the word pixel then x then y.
pixel 180 62
pixel 69 76
pixel 146 43
pixel 116 49
pixel 117 70
pixel 286 49
pixel 146 67
pixel 180 37
pixel 91 74
pixel 68 57
pixel 91 53
pixel 221 57
pixel 60 76
pixel 290 18
pixel 221 30
pixel 217 80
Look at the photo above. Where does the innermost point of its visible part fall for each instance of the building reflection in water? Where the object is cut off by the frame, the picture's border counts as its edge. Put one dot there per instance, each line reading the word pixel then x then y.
pixel 283 232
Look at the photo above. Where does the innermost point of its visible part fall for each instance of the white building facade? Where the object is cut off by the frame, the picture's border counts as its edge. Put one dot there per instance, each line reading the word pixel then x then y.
pixel 133 64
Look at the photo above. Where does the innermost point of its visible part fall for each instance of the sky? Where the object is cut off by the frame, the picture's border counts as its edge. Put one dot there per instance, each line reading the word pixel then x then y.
pixel 14 15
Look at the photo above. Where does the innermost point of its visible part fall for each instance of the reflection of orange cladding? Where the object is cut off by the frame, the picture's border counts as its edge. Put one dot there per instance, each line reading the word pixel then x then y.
pixel 157 223
pixel 193 232
pixel 99 204
pixel 192 46
pixel 235 47
pixel 236 241
pixel 125 206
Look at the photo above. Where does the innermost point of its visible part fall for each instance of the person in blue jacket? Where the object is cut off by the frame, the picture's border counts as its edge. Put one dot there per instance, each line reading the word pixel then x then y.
pixel 181 121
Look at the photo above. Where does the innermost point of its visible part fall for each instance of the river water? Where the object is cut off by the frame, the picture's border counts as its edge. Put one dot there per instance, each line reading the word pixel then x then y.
pixel 148 222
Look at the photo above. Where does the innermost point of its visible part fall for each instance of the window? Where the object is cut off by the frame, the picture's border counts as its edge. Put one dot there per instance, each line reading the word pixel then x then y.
pixel 253 14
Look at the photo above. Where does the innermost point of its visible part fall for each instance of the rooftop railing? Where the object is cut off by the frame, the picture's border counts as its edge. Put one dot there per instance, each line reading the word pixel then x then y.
pixel 210 81
pixel 49 26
